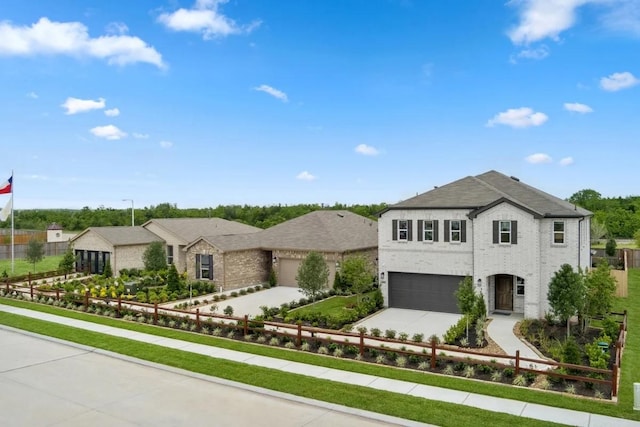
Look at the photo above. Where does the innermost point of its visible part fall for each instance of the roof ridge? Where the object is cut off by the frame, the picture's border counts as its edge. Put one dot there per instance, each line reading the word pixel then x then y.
pixel 505 195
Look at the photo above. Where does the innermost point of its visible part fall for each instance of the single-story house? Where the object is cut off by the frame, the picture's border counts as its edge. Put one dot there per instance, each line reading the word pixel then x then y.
pixel 509 237
pixel 122 246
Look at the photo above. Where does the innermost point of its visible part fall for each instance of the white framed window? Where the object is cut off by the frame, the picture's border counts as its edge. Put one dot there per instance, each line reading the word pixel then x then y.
pixel 169 254
pixel 455 234
pixel 505 231
pixel 558 232
pixel 428 230
pixel 403 229
pixel 205 267
pixel 520 286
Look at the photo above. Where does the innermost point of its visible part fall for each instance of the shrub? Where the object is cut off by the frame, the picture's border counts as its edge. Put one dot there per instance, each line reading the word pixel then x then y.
pixel 381 359
pixel 290 345
pixel 403 336
pixel 362 329
pixel 496 376
pixel 251 290
pixel 508 372
pixel 390 333
pixel 610 247
pixel 234 294
pixel 571 352
pixel 519 380
pixel 274 341
pixel 376 332
pixel 338 352
pixel 423 366
pixel 469 372
pixel 401 361
pixel 323 350
pixel 243 291
pixel 448 370
pixel 228 311
pixel 417 337
pixel 610 327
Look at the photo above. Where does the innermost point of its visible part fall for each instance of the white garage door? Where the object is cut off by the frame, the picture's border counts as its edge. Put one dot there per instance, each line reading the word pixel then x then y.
pixel 287 272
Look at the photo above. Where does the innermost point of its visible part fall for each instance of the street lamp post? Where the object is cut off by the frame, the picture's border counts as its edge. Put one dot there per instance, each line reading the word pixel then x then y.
pixel 132 211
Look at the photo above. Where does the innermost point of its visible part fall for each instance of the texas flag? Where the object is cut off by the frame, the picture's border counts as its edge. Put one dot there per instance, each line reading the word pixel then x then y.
pixel 5 187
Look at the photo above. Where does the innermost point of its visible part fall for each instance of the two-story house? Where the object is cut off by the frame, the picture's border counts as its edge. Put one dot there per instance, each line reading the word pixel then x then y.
pixel 508 236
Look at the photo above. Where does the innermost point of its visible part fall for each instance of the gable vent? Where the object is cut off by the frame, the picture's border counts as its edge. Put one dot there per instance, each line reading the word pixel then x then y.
pixel 514 178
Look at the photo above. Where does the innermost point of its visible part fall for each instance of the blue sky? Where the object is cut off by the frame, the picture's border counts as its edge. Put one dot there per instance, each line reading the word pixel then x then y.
pixel 202 103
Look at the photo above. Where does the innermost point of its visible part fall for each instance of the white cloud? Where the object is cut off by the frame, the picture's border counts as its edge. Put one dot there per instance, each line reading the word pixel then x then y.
pixel 166 144
pixel 32 95
pixel 117 28
pixel 623 17
pixel 108 132
pixel 76 105
pixel 576 107
pixel 72 39
pixel 113 112
pixel 536 54
pixel 140 135
pixel 273 92
pixel 518 118
pixel 305 176
pixel 205 18
pixel 617 81
pixel 538 158
pixel 540 19
pixel 566 161
pixel 367 150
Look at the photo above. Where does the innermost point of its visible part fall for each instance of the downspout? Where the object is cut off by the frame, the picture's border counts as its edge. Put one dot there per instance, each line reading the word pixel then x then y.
pixel 580 242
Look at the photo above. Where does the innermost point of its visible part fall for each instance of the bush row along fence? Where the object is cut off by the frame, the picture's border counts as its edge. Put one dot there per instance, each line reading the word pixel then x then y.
pixel 297 333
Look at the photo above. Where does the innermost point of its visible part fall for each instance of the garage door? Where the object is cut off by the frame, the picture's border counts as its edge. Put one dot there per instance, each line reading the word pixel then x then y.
pixel 429 292
pixel 287 272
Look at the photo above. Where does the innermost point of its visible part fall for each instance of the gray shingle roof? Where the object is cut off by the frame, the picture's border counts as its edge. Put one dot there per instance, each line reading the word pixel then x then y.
pixel 123 235
pixel 481 191
pixel 190 229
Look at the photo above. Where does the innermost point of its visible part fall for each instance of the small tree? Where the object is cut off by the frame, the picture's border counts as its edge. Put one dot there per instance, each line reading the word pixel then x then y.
pixel 566 294
pixel 154 257
pixel 313 274
pixel 610 247
pixel 598 231
pixel 228 311
pixel 356 274
pixel 273 278
pixel 174 282
pixel 338 283
pixel 107 272
pixel 67 262
pixel 466 297
pixel 600 290
pixel 35 252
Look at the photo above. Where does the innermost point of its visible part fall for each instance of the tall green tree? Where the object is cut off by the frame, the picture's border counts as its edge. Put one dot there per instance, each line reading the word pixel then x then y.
pixel 466 298
pixel 567 294
pixel 313 274
pixel 174 281
pixel 600 290
pixel 108 271
pixel 35 252
pixel 356 274
pixel 68 261
pixel 154 257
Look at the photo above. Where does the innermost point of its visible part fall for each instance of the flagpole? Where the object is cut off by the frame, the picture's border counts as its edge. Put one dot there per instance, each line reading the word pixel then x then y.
pixel 12 226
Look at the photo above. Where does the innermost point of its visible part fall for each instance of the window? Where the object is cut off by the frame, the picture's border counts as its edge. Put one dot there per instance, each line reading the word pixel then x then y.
pixel 558 232
pixel 520 286
pixel 428 231
pixel 204 266
pixel 169 254
pixel 505 231
pixel 403 229
pixel 455 230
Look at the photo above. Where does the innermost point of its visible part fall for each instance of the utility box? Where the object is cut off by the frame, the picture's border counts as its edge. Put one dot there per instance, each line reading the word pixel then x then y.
pixel 636 396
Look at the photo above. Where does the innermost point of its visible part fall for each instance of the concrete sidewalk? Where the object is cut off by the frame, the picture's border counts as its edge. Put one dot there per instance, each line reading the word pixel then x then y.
pixel 523 409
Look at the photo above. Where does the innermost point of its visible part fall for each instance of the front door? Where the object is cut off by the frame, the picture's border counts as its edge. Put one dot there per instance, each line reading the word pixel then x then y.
pixel 504 293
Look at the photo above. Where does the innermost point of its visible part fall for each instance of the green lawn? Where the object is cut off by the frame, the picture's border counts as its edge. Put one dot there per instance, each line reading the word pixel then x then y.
pixel 331 306
pixel 22 266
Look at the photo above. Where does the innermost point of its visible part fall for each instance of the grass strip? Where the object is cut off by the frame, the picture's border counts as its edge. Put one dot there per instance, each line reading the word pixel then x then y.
pixel 497 390
pixel 398 405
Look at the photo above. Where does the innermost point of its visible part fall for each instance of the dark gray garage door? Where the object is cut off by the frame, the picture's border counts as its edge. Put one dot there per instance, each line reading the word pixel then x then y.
pixel 429 292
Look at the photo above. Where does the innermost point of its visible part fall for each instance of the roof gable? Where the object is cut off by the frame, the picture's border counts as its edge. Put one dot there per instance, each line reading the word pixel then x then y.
pixel 189 229
pixel 122 235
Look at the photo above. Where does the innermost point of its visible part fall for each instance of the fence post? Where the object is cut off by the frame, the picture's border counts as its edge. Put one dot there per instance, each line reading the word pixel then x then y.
pixel 362 343
pixel 614 381
pixel 29 278
pixel 246 325
pixel 198 318
pixel 31 289
pixel 86 300
pixel 57 293
pixel 119 305
pixel 517 362
pixel 433 354
pixel 155 313
pixel 618 352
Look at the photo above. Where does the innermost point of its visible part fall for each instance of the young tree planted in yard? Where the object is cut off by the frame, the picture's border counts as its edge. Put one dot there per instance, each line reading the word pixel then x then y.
pixel 107 272
pixel 356 274
pixel 610 247
pixel 67 262
pixel 174 282
pixel 35 252
pixel 154 257
pixel 567 294
pixel 467 298
pixel 313 274
pixel 600 291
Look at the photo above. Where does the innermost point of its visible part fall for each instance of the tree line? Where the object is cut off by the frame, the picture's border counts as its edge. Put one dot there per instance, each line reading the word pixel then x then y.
pixel 613 217
pixel 258 216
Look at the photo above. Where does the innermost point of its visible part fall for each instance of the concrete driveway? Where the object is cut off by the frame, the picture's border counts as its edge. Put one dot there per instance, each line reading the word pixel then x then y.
pixel 411 321
pixel 250 304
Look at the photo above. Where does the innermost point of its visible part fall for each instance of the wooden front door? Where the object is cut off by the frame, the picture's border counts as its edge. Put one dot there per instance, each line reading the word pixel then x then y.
pixel 504 293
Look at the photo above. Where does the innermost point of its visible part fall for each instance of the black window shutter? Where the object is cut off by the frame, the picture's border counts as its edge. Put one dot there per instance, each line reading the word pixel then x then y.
pixel 463 231
pixel 496 232
pixel 394 233
pixel 446 230
pixel 420 230
pixel 197 266
pixel 409 230
pixel 435 230
pixel 210 267
pixel 514 232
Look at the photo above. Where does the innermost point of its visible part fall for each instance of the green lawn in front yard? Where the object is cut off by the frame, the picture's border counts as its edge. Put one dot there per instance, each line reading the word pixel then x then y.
pixel 332 306
pixel 22 266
